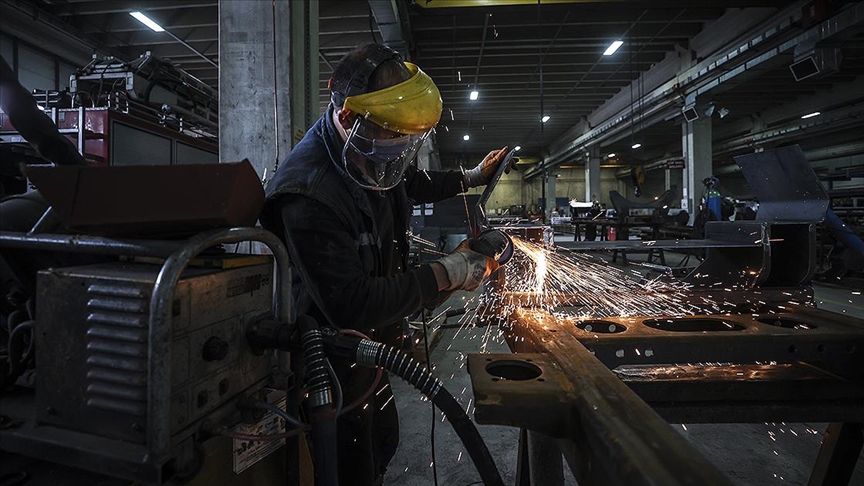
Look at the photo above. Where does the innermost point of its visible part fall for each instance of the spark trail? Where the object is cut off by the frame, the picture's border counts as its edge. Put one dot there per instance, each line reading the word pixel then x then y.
pixel 580 285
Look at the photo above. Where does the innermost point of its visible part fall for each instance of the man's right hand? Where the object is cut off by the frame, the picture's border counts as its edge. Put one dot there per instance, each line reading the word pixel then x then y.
pixel 464 269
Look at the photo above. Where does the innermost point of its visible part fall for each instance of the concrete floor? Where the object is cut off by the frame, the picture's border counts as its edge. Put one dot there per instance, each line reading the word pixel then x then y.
pixel 750 454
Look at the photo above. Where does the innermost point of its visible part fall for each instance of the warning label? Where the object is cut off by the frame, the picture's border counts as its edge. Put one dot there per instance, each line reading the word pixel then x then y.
pixel 247 453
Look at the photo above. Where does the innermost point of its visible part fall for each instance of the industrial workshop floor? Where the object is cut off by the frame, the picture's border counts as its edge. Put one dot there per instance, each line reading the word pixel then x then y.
pixel 750 454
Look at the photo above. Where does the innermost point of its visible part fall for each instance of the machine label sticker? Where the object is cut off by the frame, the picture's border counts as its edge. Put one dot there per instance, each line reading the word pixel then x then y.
pixel 245 285
pixel 247 453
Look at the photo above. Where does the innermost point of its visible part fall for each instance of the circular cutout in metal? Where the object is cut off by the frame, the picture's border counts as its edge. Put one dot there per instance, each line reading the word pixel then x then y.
pixel 512 369
pixel 693 324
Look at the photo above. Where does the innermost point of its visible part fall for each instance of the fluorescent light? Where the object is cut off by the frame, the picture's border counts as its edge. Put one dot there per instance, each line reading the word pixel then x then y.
pixel 636 146
pixel 474 94
pixel 811 115
pixel 466 137
pixel 147 21
pixel 613 47
pixel 517 148
pixel 545 118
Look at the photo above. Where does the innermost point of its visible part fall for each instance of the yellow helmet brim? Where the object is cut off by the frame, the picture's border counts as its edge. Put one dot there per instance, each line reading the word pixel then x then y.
pixel 411 107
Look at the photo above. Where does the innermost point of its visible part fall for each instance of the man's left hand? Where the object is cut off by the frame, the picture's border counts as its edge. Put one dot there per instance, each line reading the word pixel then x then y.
pixel 483 173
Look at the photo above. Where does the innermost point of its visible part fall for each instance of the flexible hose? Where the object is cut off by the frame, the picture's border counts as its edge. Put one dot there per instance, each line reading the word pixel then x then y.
pixel 379 373
pixel 317 369
pixel 370 353
pixel 318 375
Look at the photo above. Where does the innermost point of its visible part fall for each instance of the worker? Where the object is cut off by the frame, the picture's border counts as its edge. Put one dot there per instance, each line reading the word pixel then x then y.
pixel 342 201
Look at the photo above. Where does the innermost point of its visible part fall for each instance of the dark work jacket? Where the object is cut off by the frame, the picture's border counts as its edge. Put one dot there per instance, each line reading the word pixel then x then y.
pixel 333 233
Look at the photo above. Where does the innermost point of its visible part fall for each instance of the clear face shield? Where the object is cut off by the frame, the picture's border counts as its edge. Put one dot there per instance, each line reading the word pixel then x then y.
pixel 376 158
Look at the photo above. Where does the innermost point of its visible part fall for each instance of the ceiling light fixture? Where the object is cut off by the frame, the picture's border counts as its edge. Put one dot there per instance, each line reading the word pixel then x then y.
pixel 610 155
pixel 466 137
pixel 517 148
pixel 474 95
pixel 723 112
pixel 636 146
pixel 810 115
pixel 613 47
pixel 545 118
pixel 140 17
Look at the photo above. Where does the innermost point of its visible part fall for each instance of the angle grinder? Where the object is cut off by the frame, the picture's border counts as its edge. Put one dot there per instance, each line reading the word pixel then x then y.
pixel 495 244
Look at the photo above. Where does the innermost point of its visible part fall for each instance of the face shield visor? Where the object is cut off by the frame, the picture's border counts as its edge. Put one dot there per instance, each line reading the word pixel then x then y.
pixel 392 125
pixel 376 158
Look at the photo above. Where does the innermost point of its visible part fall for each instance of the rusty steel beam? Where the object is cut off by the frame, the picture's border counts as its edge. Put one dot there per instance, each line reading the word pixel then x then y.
pixel 611 435
pixel 803 364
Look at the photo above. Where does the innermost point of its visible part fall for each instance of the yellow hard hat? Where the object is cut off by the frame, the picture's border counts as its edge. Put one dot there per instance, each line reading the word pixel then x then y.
pixel 411 107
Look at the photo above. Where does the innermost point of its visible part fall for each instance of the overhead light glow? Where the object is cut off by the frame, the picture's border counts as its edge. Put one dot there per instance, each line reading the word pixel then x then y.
pixel 474 94
pixel 466 137
pixel 613 47
pixel 610 155
pixel 545 118
pixel 140 17
pixel 636 146
pixel 517 148
pixel 811 115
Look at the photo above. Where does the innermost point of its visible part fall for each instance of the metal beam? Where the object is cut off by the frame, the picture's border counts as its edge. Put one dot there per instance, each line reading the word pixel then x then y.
pixel 728 64
pixel 392 26
pixel 43 30
pixel 842 118
pixel 101 8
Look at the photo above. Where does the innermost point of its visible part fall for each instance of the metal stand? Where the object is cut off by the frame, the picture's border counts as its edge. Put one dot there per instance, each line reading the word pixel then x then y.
pixel 838 455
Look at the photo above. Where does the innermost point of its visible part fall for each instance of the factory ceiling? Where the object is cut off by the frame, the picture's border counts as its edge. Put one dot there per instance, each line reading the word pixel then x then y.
pixel 524 59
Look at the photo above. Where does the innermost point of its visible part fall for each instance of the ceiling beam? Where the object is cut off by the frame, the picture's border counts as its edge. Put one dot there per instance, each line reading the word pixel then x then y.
pixel 113 7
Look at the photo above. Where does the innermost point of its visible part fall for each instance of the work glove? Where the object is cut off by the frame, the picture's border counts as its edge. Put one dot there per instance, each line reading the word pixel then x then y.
pixel 466 268
pixel 482 174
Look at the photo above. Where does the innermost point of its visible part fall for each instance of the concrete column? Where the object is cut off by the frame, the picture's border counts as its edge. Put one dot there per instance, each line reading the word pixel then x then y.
pixel 304 67
pixel 254 83
pixel 551 179
pixel 592 175
pixel 696 144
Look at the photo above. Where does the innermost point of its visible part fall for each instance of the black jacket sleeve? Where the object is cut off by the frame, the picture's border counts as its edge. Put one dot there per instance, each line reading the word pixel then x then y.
pixel 331 257
pixel 425 186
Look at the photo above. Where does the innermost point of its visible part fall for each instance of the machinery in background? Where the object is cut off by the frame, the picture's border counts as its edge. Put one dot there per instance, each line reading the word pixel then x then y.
pixel 143 112
pixel 127 366
pixel 157 361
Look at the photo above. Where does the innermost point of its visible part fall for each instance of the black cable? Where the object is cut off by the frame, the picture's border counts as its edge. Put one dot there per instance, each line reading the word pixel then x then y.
pixel 429 366
pixel 337 388
pixel 370 353
pixel 278 411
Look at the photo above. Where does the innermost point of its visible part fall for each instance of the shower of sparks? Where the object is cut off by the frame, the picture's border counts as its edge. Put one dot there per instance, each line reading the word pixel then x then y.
pixel 580 285
pixel 540 270
pixel 568 285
